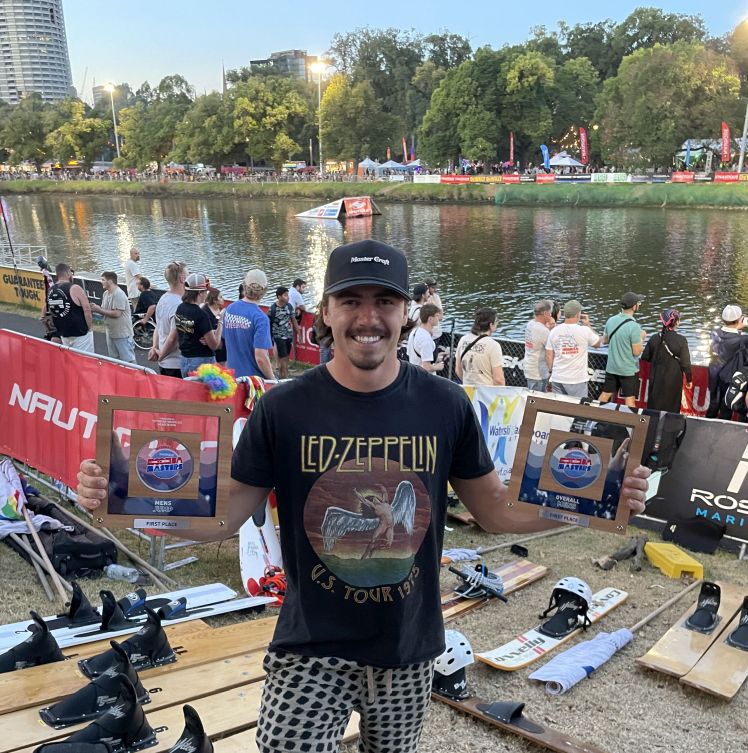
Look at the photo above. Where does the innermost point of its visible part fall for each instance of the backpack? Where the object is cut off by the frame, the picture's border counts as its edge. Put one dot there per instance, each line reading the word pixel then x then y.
pixel 74 551
pixel 736 392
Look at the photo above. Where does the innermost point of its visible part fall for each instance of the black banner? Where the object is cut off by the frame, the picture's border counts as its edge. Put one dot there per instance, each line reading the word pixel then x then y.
pixel 708 477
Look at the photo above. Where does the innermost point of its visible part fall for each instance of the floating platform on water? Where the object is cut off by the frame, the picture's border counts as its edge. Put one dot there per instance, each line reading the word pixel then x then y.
pixel 353 206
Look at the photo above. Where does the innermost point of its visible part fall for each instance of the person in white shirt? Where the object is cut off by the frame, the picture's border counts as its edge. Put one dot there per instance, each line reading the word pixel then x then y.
pixel 296 297
pixel 479 358
pixel 421 344
pixel 536 336
pixel 420 298
pixel 165 348
pixel 117 318
pixel 435 298
pixel 566 352
pixel 132 275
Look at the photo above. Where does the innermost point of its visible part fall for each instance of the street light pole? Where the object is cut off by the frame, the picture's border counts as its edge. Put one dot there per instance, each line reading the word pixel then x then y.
pixel 317 68
pixel 110 89
pixel 742 143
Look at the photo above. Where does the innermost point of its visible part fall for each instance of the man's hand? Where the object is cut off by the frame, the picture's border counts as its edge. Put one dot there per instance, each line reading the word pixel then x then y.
pixel 634 489
pixel 153 355
pixel 92 485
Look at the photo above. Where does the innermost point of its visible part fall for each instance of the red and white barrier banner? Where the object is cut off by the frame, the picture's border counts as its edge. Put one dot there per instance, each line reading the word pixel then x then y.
pixel 584 149
pixel 545 178
pixel 723 177
pixel 682 177
pixel 304 349
pixel 725 142
pixel 454 179
pixel 511 178
pixel 49 401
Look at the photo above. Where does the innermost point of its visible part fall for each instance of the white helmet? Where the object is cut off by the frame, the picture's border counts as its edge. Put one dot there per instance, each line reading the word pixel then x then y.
pixel 575 586
pixel 457 655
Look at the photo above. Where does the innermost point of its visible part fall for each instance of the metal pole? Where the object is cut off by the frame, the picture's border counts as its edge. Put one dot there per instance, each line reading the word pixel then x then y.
pixel 742 143
pixel 319 112
pixel 114 120
pixel 311 152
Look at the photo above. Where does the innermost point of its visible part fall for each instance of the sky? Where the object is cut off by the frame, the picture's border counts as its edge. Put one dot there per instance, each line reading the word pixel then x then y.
pixel 145 40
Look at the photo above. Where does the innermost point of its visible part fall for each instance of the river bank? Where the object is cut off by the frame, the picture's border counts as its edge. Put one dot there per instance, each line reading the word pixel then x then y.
pixel 654 195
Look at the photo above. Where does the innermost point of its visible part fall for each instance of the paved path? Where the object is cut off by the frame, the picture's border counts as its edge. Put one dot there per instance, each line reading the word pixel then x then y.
pixel 30 325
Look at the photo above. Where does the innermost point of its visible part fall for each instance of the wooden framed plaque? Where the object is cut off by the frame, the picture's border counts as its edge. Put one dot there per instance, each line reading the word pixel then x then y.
pixel 168 463
pixel 571 460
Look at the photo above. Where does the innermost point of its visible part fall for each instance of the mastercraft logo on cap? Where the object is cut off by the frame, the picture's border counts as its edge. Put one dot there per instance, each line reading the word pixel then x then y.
pixel 573 466
pixel 164 464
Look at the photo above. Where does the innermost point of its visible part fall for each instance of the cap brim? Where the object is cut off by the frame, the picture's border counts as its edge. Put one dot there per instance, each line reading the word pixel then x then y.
pixel 358 282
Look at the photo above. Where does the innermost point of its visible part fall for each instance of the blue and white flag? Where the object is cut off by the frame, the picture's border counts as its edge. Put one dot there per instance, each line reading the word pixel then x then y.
pixel 546 157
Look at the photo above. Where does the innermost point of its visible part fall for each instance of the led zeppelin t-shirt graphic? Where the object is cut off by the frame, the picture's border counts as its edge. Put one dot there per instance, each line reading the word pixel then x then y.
pixel 367 528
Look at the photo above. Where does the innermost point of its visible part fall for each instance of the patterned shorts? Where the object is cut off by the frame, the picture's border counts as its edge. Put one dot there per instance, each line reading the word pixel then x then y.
pixel 307 703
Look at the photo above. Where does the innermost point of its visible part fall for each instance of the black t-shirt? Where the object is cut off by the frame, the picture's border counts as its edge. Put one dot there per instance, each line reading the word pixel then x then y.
pixel 361 484
pixel 147 299
pixel 192 323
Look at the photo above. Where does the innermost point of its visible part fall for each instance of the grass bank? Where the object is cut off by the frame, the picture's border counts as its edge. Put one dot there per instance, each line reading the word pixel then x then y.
pixel 320 192
pixel 659 195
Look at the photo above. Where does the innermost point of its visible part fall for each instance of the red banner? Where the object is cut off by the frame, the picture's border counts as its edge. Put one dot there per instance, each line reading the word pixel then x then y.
pixel 584 148
pixel 545 178
pixel 723 177
pixel 682 177
pixel 50 397
pixel 359 206
pixel 511 148
pixel 510 178
pixel 405 151
pixel 305 350
pixel 725 142
pixel 454 179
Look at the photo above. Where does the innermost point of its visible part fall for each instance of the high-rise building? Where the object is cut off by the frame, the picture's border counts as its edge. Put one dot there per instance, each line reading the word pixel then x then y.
pixel 289 63
pixel 33 51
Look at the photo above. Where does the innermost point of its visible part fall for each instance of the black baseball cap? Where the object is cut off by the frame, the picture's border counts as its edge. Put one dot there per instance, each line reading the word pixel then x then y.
pixel 367 263
pixel 629 300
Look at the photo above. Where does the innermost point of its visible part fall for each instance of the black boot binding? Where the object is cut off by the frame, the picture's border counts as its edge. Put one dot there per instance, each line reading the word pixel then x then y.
pixel 739 637
pixel 124 727
pixel 133 605
pixel 80 611
pixel 705 617
pixel 149 647
pixel 98 696
pixel 112 616
pixel 39 648
pixel 193 738
pixel 570 609
pixel 65 747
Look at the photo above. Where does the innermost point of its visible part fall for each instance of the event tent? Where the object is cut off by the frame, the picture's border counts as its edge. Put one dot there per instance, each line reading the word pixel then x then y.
pixel 392 165
pixel 563 159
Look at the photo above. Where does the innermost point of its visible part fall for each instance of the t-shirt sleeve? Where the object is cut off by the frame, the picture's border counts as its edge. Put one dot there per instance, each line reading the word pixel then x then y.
pixel 119 301
pixel 470 458
pixel 549 342
pixel 497 356
pixel 252 461
pixel 262 335
pixel 202 324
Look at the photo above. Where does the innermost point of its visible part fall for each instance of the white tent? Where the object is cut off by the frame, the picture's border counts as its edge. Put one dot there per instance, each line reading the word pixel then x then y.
pixel 392 165
pixel 368 164
pixel 563 159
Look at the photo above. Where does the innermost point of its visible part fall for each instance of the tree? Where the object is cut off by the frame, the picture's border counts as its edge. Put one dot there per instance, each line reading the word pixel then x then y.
pixel 663 96
pixel 25 131
pixel 267 112
pixel 206 132
pixel 354 125
pixel 78 136
pixel 577 85
pixel 149 127
pixel 591 41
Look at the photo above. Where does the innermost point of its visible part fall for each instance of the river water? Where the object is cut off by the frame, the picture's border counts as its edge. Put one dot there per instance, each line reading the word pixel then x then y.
pixel 695 260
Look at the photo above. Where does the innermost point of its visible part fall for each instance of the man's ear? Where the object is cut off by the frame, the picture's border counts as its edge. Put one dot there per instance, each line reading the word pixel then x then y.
pixel 325 315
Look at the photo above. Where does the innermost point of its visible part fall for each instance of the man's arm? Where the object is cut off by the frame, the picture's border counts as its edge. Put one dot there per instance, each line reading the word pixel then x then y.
pixel 485 497
pixel 79 296
pixel 497 372
pixel 244 500
pixel 263 361
pixel 110 313
pixel 549 355
pixel 636 348
pixel 149 314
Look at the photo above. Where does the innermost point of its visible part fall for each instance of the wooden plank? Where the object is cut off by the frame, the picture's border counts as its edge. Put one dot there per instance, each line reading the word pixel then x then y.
pixel 678 651
pixel 516 574
pixel 222 714
pixel 40 686
pixel 723 669
pixel 23 728
pixel 244 742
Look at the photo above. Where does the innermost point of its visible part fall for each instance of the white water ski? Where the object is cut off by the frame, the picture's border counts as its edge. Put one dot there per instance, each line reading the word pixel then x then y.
pixel 198 596
pixel 532 645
